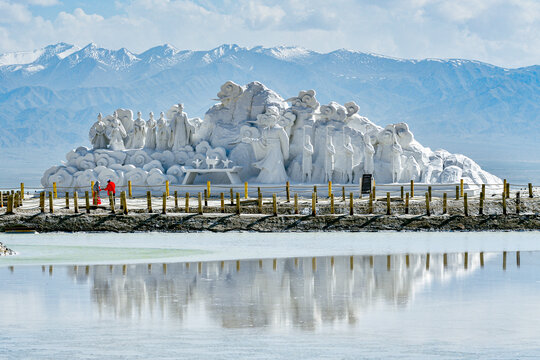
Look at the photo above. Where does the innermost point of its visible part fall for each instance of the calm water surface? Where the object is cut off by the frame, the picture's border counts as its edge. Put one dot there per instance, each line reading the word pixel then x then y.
pixel 272 296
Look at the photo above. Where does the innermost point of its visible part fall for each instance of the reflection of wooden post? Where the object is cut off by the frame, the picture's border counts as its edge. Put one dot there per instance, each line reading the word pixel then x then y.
pixel 388 262
pixel 314 264
pixel 427 261
pixel 518 261
pixel 22 191
pixel 444 203
pixel 76 202
pixel 412 189
pixel 407 260
pixel 530 190
pixel 238 203
pixel 274 204
pixel 504 260
pixel 222 198
pixel 149 201
pixel 351 204
pixel 466 260
pixel 164 207
pixel 130 193
pixel 87 198
pixel 187 204
pixel 482 259
pixel 288 191
pixel 406 203
pixel 51 205
pixel 445 260
pixel 351 262
pixel 67 200
pixel 388 210
pixel 371 261
pixel 295 203
pixel 200 209
pixel 55 190
pixel 331 203
pixel 504 203
pixel 428 212
pixel 313 204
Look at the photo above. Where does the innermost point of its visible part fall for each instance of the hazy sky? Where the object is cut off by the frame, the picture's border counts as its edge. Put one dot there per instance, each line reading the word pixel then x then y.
pixel 501 32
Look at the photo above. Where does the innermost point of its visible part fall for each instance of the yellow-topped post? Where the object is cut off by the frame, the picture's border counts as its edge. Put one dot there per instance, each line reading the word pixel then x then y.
pixel 22 191
pixel 246 190
pixel 412 188
pixel 54 190
pixel 130 193
pixel 329 189
pixel 208 188
pixel 167 188
pixel 461 187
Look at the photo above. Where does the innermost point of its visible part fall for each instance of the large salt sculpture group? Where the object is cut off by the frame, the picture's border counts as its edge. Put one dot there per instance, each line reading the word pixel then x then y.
pixel 267 138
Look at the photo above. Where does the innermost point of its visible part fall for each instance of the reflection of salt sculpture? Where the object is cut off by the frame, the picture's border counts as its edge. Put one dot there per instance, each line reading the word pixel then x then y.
pixel 150 142
pixel 349 153
pixel 139 133
pixel 181 129
pixel 271 149
pixel 329 158
pixel 307 159
pixel 97 134
pixel 116 134
pixel 162 134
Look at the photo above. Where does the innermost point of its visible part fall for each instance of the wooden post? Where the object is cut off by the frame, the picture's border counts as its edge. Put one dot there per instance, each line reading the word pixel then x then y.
pixel 22 191
pixel 199 206
pixel 481 204
pixel 111 202
pixel 259 202
pixel 313 204
pixel 245 190
pixel 18 202
pixel 331 203
pixel 444 203
pixel 429 193
pixel 457 192
pixel 388 210
pixel 374 193
pixel 518 201
pixel 483 190
pixel 370 208
pixel 87 198
pixel 164 207
pixel 232 197
pixel 508 190
pixel 343 193
pixel 130 193
pixel 259 193
pixel 351 204
pixel 167 188
pixel 329 189
pixel 412 189
pixel 205 197
pixel 9 209
pixel 295 203
pixel 175 199
pixel 428 212
pixel 288 192
pixel 1 199
pixel 402 192
pixel 238 203
pixel 274 204
pixel 41 201
pixel 465 205
pixel 504 187
pixel 67 200
pixel 208 188
pixel 149 201
pixel 530 190
pixel 94 197
pixel 461 187
pixel 406 203
pixel 316 195
pixel 504 202
pixel 55 190
pixel 51 205
pixel 123 202
pixel 222 198
pixel 187 204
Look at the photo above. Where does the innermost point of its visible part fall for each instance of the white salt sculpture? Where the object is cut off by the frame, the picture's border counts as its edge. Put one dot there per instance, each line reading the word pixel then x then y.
pixel 271 140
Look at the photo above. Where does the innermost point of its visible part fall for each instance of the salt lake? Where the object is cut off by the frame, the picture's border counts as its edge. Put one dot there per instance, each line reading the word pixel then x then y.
pixel 237 295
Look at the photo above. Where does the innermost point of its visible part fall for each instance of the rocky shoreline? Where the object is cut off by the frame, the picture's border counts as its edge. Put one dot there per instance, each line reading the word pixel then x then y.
pixel 215 222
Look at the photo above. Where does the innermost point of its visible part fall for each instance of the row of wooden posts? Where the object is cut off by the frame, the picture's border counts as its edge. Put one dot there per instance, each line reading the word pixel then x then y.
pixel 15 199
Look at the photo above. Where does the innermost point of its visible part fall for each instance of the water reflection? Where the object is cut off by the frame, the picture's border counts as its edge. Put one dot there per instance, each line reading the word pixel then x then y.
pixel 299 292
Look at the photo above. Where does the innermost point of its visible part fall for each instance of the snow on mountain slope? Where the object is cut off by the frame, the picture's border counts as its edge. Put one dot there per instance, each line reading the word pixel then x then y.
pixel 52 94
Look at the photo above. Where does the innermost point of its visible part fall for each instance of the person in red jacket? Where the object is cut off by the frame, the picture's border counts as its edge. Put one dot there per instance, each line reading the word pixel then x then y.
pixel 111 189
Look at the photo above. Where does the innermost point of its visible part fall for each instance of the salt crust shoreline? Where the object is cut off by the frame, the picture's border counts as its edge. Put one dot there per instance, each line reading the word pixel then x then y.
pixel 177 222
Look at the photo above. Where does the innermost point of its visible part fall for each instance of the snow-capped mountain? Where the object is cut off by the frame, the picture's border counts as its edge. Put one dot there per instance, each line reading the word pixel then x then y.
pixel 52 95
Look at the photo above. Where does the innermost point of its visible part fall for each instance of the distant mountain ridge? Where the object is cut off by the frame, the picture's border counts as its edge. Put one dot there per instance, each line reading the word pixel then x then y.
pixel 49 97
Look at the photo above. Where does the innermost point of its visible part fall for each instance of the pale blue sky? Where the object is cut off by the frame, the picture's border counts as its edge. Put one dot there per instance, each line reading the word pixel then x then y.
pixel 502 32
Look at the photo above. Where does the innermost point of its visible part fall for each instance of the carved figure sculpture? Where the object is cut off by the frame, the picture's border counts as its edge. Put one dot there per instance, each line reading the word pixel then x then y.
pixel 197 163
pixel 226 163
pixel 348 152
pixel 162 134
pixel 139 133
pixel 228 92
pixel 116 134
pixel 369 152
pixel 388 155
pixel 329 157
pixel 126 118
pixel 97 134
pixel 212 162
pixel 307 159
pixel 150 142
pixel 271 149
pixel 181 129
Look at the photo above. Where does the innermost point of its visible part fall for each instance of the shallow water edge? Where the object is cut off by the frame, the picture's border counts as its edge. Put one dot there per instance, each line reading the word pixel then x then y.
pixel 265 223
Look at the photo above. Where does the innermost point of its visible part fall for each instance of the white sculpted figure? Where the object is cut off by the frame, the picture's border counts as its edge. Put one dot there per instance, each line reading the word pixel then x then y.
pixel 150 142
pixel 139 133
pixel 348 151
pixel 388 155
pixel 226 163
pixel 329 157
pixel 97 134
pixel 271 149
pixel 162 134
pixel 197 163
pixel 181 129
pixel 307 161
pixel 228 93
pixel 126 118
pixel 369 152
pixel 211 162
pixel 116 134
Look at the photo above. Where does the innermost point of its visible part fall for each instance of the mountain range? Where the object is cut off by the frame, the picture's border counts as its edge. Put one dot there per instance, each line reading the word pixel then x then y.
pixel 49 97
